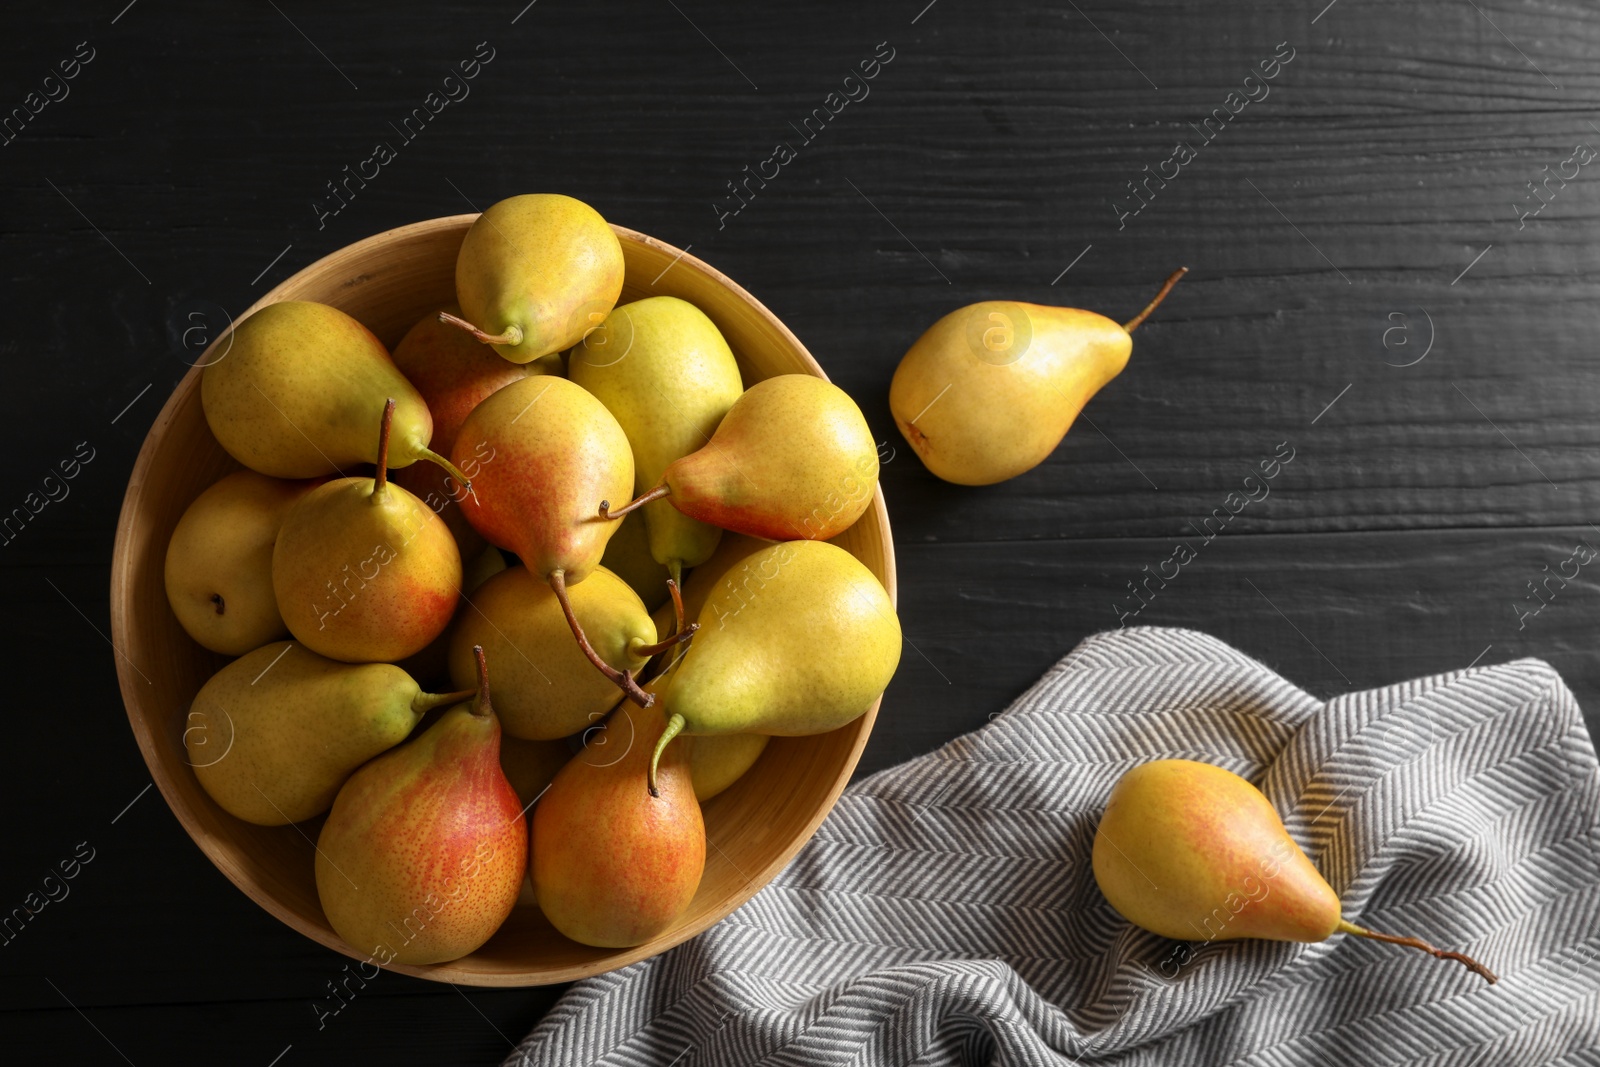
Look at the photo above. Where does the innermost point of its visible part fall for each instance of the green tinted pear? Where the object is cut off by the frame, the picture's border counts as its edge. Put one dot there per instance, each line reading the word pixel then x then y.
pixel 664 370
pixel 274 734
pixel 296 389
pixel 804 643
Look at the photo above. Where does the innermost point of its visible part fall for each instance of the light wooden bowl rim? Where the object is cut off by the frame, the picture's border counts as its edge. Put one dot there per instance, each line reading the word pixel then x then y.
pixel 178 801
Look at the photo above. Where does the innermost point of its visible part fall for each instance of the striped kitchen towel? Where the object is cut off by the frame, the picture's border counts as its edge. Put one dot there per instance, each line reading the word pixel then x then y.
pixel 946 913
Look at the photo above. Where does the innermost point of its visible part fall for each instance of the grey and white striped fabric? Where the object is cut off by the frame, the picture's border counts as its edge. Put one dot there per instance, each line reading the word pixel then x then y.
pixel 946 913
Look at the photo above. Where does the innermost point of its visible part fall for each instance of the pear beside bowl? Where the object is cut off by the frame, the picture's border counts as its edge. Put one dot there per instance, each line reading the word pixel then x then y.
pixel 388 282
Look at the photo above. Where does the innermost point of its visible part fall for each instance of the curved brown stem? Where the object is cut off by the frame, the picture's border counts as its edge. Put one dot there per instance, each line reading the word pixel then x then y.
pixel 649 651
pixel 1417 943
pixel 675 588
pixel 512 336
pixel 679 635
pixel 638 502
pixel 381 479
pixel 623 679
pixel 481 706
pixel 1166 287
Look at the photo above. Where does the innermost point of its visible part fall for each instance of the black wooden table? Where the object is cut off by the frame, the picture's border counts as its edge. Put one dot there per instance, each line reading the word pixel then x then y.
pixel 1385 208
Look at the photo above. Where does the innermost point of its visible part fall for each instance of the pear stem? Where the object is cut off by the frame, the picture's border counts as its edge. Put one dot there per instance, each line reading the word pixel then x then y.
pixel 681 633
pixel 1468 962
pixel 481 706
pixel 673 641
pixel 381 479
pixel 638 502
pixel 623 679
pixel 431 456
pixel 674 588
pixel 424 702
pixel 512 336
pixel 675 726
pixel 1166 287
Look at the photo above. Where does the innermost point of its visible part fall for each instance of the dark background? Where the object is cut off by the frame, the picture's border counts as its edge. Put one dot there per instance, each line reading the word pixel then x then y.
pixel 1330 229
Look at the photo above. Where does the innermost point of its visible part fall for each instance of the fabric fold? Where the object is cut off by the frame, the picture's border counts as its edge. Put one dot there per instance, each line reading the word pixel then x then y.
pixel 945 913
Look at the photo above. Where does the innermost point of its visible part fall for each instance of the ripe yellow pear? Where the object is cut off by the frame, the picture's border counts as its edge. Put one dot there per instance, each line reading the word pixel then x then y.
pixel 423 853
pixel 1194 852
pixel 548 688
pixel 534 274
pixel 793 458
pixel 992 388
pixel 664 370
pixel 274 734
pixel 219 562
pixel 363 570
pixel 296 390
pixel 803 647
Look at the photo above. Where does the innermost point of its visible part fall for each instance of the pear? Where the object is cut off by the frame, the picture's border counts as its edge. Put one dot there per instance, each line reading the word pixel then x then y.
pixel 613 864
pixel 548 688
pixel 628 557
pixel 992 388
pixel 793 458
pixel 421 858
pixel 454 373
pixel 363 570
pixel 274 734
pixel 716 761
pixel 296 390
pixel 219 562
pixel 535 273
pixel 1194 852
pixel 556 450
pixel 664 370
pixel 803 643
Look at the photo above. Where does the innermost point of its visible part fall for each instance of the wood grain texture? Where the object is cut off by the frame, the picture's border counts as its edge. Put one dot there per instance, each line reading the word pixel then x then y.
pixel 987 156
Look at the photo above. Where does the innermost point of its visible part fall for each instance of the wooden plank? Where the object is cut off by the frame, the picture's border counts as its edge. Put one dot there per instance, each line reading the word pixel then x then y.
pixel 1392 151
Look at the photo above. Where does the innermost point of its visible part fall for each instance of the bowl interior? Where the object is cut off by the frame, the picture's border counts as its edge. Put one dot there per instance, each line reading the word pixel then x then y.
pixel 388 282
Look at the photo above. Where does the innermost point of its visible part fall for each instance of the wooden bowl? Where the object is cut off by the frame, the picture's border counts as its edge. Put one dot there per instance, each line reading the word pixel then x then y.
pixel 389 282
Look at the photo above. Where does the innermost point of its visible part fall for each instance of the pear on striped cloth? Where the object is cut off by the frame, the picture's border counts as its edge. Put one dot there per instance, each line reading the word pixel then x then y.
pixel 1194 852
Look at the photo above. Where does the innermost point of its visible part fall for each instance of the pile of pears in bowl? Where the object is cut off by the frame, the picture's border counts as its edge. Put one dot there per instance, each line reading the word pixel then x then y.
pixel 504 598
